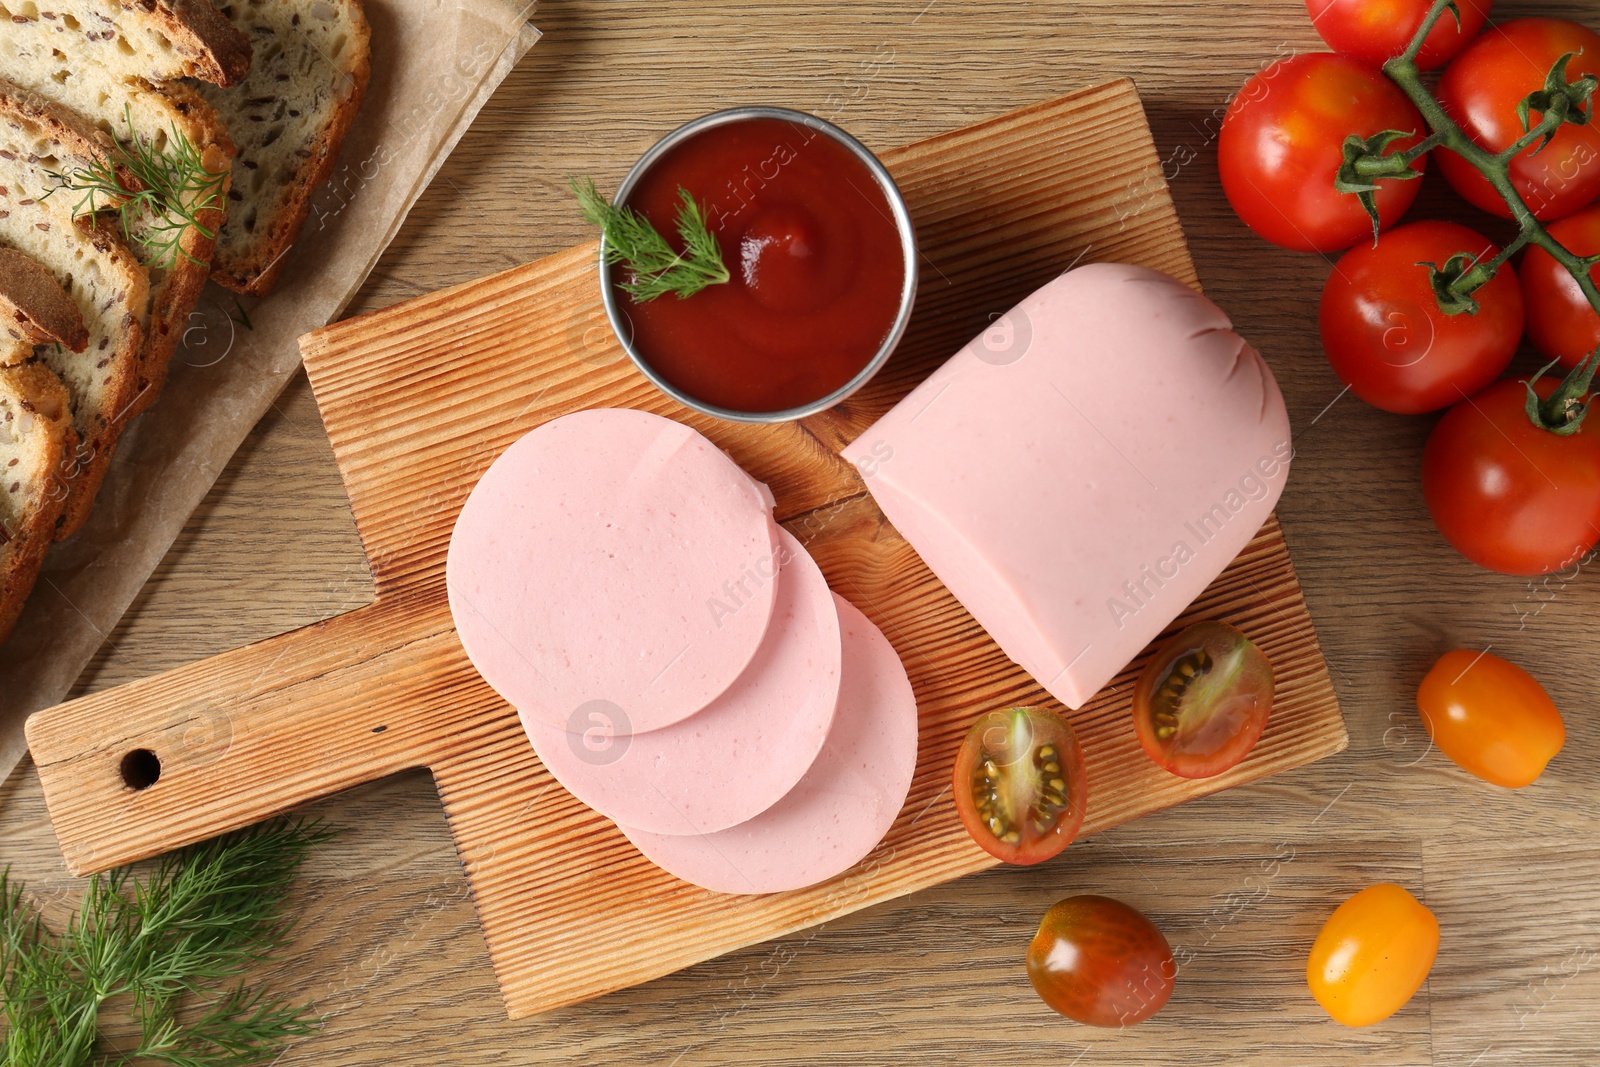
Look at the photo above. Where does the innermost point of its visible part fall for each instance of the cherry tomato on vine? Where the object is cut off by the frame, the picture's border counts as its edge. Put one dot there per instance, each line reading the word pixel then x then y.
pixel 1561 322
pixel 1020 785
pixel 1508 494
pixel 1199 707
pixel 1387 338
pixel 1372 955
pixel 1281 146
pixel 1375 31
pixel 1490 717
pixel 1481 89
pixel 1100 962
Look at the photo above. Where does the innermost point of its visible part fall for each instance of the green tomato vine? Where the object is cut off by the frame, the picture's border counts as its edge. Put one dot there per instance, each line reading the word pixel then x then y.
pixel 1559 101
pixel 1368 161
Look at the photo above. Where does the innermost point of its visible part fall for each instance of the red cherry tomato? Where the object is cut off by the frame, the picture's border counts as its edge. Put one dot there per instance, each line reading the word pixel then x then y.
pixel 1375 31
pixel 1372 955
pixel 1282 142
pixel 1561 322
pixel 1490 717
pixel 1386 337
pixel 1100 962
pixel 1481 89
pixel 1199 707
pixel 1020 785
pixel 1509 495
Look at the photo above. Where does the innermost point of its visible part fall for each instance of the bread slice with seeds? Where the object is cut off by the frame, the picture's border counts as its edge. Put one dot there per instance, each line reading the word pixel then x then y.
pixel 178 278
pixel 288 118
pixel 90 261
pixel 37 442
pixel 157 40
pixel 34 309
pixel 117 65
pixel 165 122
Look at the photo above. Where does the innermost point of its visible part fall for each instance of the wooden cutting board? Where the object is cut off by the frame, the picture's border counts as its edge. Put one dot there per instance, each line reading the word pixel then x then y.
pixel 420 399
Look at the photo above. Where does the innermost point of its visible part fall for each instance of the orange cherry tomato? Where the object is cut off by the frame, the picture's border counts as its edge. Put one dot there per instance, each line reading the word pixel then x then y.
pixel 1372 955
pixel 1491 717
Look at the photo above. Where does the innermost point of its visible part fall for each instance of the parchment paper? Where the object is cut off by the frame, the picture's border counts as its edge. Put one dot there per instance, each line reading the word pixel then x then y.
pixel 434 64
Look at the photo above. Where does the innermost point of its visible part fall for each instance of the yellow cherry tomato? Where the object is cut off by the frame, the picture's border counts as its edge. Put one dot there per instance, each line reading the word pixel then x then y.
pixel 1490 717
pixel 1372 955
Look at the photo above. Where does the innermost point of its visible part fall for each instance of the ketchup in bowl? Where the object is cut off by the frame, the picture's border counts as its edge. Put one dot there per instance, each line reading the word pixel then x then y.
pixel 818 289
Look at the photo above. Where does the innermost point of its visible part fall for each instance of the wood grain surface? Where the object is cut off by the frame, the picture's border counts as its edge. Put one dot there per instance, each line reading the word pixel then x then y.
pixel 390 946
pixel 420 398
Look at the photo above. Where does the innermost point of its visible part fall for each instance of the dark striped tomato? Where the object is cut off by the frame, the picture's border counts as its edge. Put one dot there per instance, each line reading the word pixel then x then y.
pixel 1100 962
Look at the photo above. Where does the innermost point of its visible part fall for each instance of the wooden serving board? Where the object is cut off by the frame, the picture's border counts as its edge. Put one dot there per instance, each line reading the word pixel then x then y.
pixel 420 399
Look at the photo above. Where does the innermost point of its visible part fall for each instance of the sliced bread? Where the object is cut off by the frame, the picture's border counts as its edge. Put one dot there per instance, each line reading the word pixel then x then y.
pixel 89 260
pixel 156 40
pixel 37 442
pixel 164 120
pixel 176 281
pixel 288 118
pixel 34 309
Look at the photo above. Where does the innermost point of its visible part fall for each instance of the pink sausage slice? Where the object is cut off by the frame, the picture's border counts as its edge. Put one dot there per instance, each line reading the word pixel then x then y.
pixel 842 807
pixel 740 755
pixel 613 558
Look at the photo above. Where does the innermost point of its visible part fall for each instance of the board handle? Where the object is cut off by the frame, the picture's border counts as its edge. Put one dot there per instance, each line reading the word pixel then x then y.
pixel 217 745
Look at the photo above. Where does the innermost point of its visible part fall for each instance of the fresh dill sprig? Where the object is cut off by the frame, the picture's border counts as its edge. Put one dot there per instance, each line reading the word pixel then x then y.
pixel 168 950
pixel 172 187
pixel 657 267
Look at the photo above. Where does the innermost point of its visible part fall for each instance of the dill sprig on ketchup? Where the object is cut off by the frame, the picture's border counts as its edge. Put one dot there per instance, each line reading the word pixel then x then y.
pixel 656 266
pixel 784 251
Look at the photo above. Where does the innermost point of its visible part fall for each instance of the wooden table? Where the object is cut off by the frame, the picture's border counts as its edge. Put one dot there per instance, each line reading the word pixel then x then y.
pixel 1240 882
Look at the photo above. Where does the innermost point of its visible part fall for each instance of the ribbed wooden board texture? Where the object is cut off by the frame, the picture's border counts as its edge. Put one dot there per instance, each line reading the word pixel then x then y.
pixel 420 398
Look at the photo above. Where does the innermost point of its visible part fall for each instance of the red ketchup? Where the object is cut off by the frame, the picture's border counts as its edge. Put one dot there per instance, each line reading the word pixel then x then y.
pixel 817 269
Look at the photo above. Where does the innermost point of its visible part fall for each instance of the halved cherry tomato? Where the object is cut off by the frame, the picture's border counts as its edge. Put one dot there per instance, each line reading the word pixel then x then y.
pixel 1020 785
pixel 1199 707
pixel 1372 955
pixel 1386 337
pixel 1098 961
pixel 1491 717
pixel 1375 31
pixel 1481 89
pixel 1561 322
pixel 1507 494
pixel 1282 143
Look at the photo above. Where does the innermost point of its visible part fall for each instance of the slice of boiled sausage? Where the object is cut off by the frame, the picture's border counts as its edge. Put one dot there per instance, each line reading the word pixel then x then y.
pixel 613 559
pixel 842 807
pixel 742 753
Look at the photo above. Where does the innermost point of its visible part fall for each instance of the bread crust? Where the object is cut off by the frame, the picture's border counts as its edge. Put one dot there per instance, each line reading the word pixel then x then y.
pixel 36 396
pixel 99 429
pixel 34 309
pixel 258 275
pixel 212 45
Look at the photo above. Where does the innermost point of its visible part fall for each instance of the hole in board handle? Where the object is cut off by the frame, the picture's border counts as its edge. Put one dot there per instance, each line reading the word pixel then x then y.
pixel 140 769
